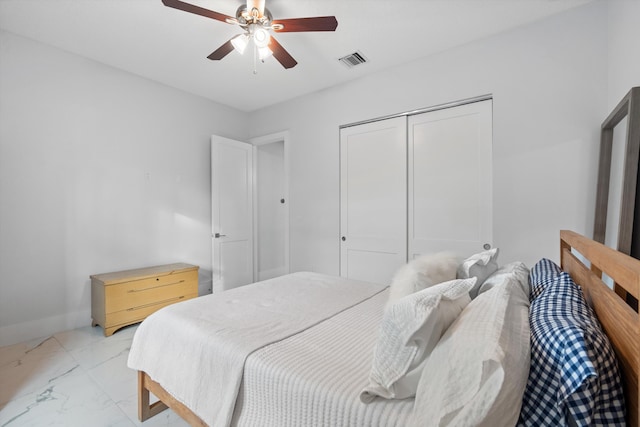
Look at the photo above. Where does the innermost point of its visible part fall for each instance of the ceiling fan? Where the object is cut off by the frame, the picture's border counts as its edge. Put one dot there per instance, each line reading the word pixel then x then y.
pixel 257 22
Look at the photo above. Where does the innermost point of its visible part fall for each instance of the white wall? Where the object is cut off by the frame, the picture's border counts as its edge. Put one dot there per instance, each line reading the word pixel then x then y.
pixel 548 81
pixel 100 170
pixel 623 60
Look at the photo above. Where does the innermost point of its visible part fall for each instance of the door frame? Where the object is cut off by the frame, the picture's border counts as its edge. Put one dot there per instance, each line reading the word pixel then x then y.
pixel 263 140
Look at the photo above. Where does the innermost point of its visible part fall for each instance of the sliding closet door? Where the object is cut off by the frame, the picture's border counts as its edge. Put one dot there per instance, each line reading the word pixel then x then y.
pixel 450 185
pixel 373 206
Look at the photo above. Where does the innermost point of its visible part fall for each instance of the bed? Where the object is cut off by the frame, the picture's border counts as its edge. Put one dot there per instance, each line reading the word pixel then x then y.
pixel 308 365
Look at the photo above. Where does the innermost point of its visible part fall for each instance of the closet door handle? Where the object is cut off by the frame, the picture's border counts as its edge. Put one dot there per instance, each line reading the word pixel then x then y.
pixel 218 235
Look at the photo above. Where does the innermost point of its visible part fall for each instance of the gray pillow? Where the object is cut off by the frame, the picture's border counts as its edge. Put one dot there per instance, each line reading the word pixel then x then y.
pixel 480 265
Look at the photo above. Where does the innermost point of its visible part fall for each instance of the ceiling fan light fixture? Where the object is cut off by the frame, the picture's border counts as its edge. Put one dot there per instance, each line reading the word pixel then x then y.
pixel 261 37
pixel 264 53
pixel 257 22
pixel 240 42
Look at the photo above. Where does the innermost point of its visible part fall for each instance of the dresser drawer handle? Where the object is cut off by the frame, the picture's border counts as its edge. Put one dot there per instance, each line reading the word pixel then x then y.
pixel 155 287
pixel 155 303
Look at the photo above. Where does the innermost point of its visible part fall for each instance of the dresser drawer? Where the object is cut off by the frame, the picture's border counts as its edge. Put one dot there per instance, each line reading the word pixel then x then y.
pixel 132 294
pixel 137 314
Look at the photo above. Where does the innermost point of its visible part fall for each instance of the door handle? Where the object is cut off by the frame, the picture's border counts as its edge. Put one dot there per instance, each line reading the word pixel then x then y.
pixel 218 235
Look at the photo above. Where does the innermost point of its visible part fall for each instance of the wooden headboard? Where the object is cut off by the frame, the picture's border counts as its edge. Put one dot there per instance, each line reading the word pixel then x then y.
pixel 617 311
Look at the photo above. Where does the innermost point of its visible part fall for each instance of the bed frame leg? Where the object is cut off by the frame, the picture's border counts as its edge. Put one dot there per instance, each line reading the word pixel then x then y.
pixel 146 411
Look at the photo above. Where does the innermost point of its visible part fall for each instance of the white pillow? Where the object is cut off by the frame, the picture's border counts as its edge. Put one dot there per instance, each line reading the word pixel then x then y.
pixel 422 272
pixel 517 271
pixel 410 329
pixel 480 265
pixel 477 373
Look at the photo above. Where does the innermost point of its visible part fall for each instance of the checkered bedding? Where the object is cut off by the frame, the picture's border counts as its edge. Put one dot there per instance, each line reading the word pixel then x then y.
pixel 574 378
pixel 542 274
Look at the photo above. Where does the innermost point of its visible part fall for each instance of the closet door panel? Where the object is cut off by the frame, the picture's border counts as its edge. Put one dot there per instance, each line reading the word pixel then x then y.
pixel 450 185
pixel 373 200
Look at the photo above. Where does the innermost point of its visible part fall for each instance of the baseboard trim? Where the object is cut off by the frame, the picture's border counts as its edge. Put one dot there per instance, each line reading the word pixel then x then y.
pixel 25 331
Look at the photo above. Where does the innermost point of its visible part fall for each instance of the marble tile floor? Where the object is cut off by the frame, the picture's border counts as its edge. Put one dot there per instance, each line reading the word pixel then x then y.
pixel 73 378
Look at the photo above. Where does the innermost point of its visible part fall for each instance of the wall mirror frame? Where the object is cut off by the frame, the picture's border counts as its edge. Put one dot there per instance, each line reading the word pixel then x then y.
pixel 628 107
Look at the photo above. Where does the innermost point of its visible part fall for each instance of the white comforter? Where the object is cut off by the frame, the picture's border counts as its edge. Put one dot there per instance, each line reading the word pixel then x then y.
pixel 197 349
pixel 314 378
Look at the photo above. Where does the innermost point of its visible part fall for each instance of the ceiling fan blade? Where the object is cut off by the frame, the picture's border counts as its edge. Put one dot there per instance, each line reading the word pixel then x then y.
pixel 319 23
pixel 221 52
pixel 258 4
pixel 180 5
pixel 281 54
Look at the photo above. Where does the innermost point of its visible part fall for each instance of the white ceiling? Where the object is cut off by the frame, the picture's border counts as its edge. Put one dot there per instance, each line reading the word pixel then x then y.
pixel 171 46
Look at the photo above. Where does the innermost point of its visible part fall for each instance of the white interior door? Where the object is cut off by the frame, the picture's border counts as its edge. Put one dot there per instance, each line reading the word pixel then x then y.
pixel 231 213
pixel 450 180
pixel 373 206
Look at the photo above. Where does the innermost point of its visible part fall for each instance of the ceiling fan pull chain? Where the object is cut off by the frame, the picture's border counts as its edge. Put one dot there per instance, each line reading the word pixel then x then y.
pixel 255 59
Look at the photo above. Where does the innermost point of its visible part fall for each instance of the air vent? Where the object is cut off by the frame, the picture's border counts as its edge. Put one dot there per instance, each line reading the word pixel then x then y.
pixel 353 59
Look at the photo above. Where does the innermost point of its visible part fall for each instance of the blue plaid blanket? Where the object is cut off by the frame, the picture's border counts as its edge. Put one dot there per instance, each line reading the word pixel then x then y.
pixel 574 378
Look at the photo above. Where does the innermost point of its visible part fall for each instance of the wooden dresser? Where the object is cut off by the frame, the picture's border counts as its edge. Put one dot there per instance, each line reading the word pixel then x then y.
pixel 122 298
